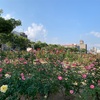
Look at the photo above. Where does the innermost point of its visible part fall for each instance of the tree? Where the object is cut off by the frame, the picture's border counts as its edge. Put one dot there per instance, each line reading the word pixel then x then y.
pixel 40 45
pixel 1 11
pixel 6 26
pixel 4 38
pixel 20 42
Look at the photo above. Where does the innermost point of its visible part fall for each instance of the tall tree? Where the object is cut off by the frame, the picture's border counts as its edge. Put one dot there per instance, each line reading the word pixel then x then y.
pixel 6 27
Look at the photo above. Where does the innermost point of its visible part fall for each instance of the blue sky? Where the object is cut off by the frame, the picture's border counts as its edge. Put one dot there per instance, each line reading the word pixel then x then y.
pixel 57 21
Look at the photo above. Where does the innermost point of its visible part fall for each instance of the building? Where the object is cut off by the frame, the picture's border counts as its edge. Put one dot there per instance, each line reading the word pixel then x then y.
pixel 80 46
pixel 20 34
pixel 98 51
pixel 23 34
pixel 70 45
pixel 95 50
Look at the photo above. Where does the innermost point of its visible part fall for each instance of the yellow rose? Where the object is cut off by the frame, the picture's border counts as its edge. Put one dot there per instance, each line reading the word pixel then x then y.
pixel 3 88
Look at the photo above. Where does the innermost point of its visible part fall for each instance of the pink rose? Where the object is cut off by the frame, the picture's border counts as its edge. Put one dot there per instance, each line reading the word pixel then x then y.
pixel 99 82
pixel 60 78
pixel 94 68
pixel 74 65
pixel 92 86
pixel 71 91
pixel 25 62
pixel 67 67
pixel 92 65
pixel 88 67
pixel 22 76
pixel 1 69
pixel 84 75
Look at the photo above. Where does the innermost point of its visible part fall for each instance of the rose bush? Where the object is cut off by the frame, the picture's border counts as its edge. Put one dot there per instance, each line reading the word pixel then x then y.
pixel 35 75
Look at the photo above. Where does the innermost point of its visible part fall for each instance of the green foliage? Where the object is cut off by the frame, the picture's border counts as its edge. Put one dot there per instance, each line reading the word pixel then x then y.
pixel 83 51
pixel 6 26
pixel 40 45
pixel 73 49
pixel 20 42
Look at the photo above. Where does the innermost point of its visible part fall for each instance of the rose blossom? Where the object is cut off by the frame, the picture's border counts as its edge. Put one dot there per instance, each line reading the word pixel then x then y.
pixel 88 67
pixel 92 86
pixel 25 62
pixel 71 91
pixel 84 75
pixel 60 78
pixel 4 88
pixel 23 78
pixel 67 67
pixel 74 64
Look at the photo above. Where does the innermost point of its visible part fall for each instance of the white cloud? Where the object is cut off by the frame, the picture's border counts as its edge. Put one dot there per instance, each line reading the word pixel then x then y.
pixel 7 16
pixel 97 34
pixel 36 32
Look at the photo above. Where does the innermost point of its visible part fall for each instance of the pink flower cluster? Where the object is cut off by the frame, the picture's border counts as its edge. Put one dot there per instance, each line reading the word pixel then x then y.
pixel 91 66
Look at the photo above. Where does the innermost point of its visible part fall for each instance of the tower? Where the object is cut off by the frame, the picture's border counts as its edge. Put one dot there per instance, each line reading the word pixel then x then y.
pixel 82 45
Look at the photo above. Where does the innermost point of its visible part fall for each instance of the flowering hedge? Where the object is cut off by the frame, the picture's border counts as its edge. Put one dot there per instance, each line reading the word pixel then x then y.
pixel 36 75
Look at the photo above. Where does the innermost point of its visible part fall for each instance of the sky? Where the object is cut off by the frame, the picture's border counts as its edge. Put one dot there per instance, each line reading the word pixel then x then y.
pixel 56 21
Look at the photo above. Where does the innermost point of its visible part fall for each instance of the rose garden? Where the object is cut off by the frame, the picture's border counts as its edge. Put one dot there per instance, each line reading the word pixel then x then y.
pixel 41 74
pixel 47 72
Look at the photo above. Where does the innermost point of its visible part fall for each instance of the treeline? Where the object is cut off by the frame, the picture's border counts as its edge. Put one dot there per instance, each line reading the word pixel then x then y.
pixel 20 42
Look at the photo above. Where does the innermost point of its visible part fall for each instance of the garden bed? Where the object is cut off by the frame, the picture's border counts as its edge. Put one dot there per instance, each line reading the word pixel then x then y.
pixel 33 76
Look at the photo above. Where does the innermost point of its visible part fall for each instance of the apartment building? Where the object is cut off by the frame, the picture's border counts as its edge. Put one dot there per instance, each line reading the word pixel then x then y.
pixel 80 46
